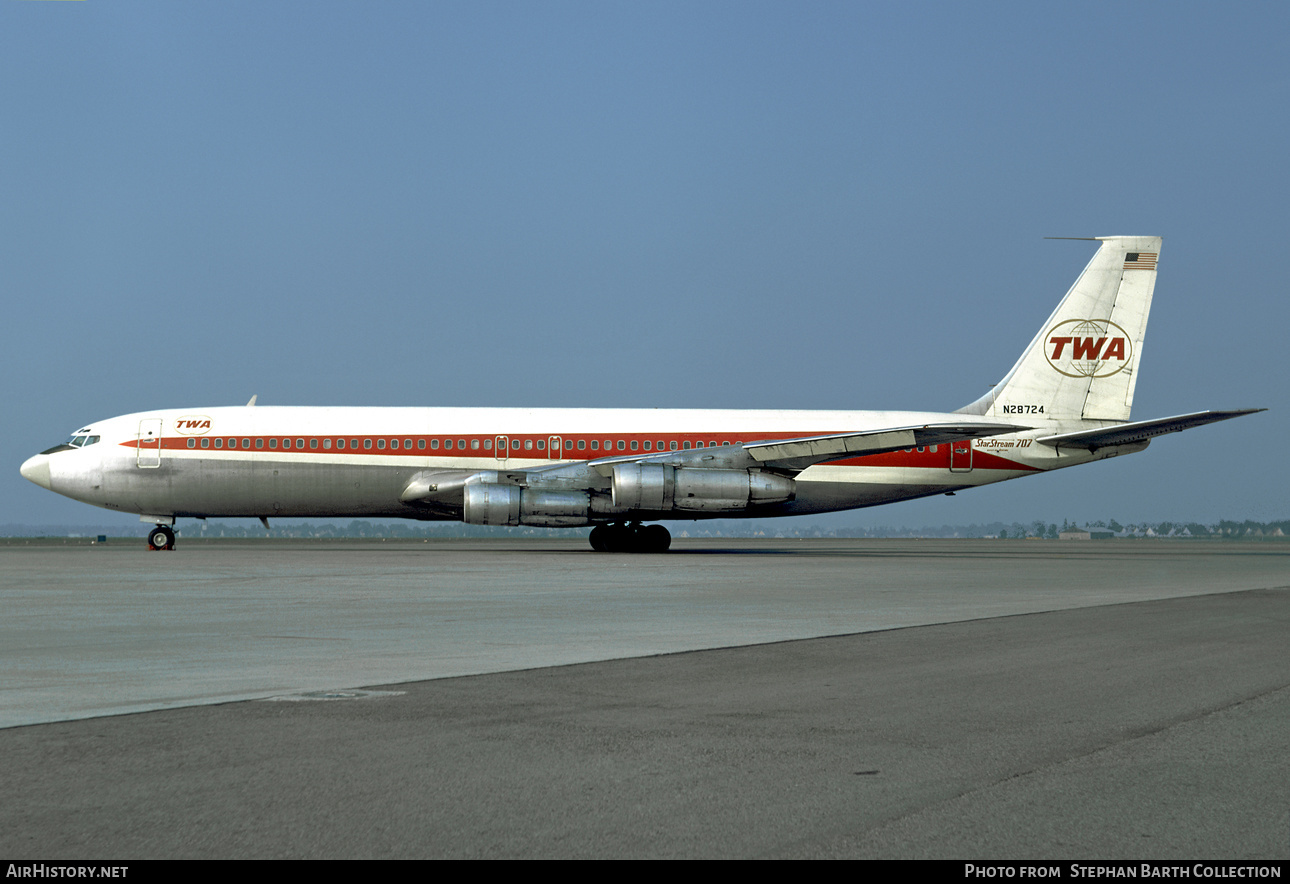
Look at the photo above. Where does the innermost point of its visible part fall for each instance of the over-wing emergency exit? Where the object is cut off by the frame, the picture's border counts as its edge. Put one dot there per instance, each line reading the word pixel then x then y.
pixel 1066 402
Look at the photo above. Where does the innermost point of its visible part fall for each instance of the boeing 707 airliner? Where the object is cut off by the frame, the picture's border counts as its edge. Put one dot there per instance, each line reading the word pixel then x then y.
pixel 1066 402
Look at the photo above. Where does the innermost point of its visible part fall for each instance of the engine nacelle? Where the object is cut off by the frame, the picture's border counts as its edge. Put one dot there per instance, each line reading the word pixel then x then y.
pixel 485 503
pixel 662 488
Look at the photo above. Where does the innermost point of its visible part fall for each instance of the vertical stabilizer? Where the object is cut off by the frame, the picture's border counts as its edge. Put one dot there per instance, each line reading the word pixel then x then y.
pixel 1083 364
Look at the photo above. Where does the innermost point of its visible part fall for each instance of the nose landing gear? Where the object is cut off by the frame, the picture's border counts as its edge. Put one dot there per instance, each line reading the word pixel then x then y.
pixel 160 538
pixel 635 538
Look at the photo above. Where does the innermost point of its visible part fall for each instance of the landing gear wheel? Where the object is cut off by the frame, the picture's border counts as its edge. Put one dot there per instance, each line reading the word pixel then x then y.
pixel 630 538
pixel 621 538
pixel 160 538
pixel 655 538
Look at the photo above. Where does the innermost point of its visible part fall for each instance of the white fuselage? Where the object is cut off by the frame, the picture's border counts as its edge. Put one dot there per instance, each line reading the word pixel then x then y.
pixel 350 462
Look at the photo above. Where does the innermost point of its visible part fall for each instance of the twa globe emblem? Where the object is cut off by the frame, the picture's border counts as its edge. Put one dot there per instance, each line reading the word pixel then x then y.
pixel 1088 348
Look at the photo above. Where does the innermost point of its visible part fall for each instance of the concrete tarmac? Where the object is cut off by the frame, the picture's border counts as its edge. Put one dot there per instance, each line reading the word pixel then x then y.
pixel 998 700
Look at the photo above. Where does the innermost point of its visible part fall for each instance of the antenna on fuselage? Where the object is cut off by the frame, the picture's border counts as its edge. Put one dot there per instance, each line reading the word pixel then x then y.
pixel 252 402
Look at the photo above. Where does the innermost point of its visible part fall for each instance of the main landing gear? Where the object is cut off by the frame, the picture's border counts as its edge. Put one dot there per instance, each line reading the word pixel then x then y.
pixel 160 538
pixel 636 538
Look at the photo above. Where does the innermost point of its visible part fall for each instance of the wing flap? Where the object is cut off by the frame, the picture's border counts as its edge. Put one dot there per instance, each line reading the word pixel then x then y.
pixel 798 454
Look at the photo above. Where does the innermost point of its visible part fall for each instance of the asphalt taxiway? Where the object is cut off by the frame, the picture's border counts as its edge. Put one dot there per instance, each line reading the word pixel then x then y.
pixel 965 699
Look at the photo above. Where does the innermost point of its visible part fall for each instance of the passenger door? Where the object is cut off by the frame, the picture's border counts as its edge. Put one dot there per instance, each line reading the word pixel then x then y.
pixel 148 452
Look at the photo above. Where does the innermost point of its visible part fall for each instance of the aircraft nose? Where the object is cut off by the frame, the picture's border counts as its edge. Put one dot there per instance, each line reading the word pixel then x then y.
pixel 36 469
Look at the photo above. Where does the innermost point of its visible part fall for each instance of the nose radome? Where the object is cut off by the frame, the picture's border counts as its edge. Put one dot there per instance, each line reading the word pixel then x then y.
pixel 36 469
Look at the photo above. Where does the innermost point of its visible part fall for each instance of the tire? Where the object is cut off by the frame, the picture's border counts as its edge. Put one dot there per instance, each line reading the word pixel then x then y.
pixel 598 538
pixel 161 537
pixel 620 538
pixel 655 539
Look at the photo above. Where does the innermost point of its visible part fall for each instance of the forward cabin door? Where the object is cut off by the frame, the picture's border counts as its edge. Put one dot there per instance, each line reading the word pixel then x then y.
pixel 500 449
pixel 148 454
pixel 553 447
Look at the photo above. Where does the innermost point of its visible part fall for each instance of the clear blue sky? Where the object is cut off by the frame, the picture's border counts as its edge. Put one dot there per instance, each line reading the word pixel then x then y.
pixel 823 205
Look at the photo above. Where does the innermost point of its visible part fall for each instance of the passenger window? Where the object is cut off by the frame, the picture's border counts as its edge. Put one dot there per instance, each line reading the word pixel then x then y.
pixel 541 445
pixel 259 443
pixel 595 444
pixel 421 445
pixel 528 444
pixel 192 443
pixel 474 444
pixel 488 444
pixel 687 443
pixel 698 444
pixel 434 444
pixel 674 445
pixel 219 443
pixel 582 444
pixel 273 443
pixel 313 443
pixel 206 443
pixel 367 444
pixel 353 443
pixel 634 444
pixel 515 444
pixel 461 444
pixel 647 444
pixel 340 443
pixel 407 444
pixel 568 445
pixel 380 444
pixel 246 443
pixel 300 443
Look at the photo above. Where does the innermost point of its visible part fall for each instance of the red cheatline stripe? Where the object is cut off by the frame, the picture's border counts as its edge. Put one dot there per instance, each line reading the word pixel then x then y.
pixel 926 458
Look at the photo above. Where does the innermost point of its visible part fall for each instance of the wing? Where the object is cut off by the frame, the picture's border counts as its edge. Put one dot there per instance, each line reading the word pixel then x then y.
pixel 1140 431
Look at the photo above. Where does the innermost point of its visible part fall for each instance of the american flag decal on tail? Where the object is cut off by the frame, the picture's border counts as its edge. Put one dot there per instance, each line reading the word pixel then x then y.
pixel 1140 260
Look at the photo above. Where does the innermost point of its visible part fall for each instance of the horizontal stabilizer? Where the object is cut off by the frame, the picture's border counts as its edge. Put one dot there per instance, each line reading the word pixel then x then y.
pixel 801 453
pixel 1140 431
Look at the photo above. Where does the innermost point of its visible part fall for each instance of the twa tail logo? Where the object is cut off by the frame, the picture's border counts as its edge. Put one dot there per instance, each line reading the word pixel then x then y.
pixel 1088 348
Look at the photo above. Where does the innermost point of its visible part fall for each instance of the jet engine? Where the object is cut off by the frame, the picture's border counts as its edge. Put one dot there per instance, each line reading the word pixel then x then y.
pixel 663 487
pixel 486 503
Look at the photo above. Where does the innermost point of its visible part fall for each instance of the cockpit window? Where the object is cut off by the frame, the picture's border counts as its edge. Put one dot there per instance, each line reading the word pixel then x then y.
pixel 78 440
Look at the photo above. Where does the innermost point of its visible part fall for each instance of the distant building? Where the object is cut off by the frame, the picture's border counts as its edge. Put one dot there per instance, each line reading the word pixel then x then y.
pixel 1086 534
